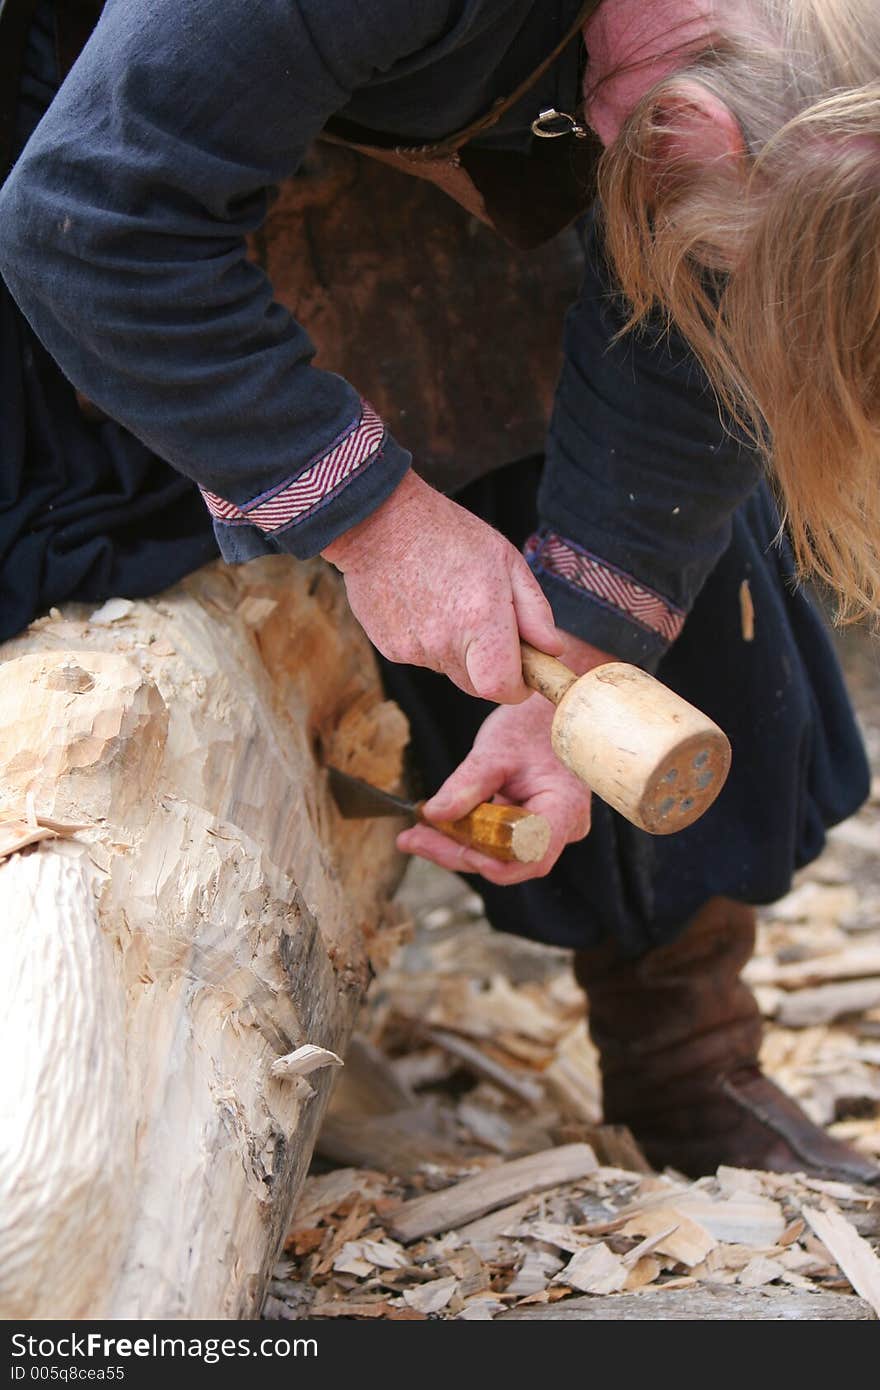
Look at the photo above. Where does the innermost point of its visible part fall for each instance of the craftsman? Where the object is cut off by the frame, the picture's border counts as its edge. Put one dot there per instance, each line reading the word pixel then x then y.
pixel 648 530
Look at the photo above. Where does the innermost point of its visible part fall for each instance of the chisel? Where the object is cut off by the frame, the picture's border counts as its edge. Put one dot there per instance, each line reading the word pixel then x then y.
pixel 507 833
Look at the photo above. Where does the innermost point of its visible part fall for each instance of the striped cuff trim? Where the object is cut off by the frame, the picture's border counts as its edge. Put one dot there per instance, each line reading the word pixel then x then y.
pixel 569 562
pixel 293 500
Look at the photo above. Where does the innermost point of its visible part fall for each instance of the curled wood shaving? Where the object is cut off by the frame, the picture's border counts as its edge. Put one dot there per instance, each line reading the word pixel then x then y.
pixel 113 611
pixel 746 612
pixel 304 1060
pixel 851 1251
pixel 19 830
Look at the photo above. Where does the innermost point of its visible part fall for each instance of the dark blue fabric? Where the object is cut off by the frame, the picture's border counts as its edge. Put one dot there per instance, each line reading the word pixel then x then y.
pixel 121 231
pixel 122 226
pixel 641 469
pixel 86 510
pixel 122 236
pixel 798 761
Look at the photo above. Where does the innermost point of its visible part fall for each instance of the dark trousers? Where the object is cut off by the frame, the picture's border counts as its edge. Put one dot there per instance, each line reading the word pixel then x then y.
pixel 799 765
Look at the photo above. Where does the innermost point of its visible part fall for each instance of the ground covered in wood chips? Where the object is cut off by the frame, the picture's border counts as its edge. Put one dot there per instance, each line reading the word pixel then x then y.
pixel 463 1171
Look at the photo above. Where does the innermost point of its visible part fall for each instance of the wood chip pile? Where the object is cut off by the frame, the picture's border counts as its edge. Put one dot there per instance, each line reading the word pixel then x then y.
pixel 463 1171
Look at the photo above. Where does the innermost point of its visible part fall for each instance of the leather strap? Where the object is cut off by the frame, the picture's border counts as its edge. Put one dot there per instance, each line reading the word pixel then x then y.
pixel 75 20
pixel 478 127
pixel 484 186
pixel 349 133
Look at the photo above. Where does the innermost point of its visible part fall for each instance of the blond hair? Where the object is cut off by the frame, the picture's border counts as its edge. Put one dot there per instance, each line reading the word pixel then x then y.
pixel 769 263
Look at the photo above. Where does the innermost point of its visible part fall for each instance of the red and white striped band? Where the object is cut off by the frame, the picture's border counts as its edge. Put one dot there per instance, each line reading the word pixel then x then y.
pixel 291 500
pixel 569 562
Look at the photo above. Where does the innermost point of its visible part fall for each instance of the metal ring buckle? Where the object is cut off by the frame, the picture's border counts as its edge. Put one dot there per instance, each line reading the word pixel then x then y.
pixel 551 124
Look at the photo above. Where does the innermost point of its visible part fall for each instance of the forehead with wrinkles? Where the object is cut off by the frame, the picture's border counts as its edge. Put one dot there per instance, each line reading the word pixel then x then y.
pixel 632 44
pixel 636 30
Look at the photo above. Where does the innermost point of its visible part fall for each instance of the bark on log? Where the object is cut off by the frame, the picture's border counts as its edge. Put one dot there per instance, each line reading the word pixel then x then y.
pixel 216 914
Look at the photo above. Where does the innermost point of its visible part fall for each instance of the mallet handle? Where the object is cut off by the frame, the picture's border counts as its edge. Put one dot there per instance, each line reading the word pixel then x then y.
pixel 545 673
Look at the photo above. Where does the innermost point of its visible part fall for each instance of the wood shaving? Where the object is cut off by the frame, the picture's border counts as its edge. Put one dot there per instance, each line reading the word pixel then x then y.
pixel 304 1060
pixel 475 1057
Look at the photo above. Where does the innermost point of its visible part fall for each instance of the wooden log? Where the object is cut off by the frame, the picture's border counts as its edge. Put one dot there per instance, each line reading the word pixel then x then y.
pixel 701 1303
pixel 216 914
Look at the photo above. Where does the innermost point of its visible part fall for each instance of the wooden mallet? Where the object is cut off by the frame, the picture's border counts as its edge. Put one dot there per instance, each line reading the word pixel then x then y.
pixel 643 749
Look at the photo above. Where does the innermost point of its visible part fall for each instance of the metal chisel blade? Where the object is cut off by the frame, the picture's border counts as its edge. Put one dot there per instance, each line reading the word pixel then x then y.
pixel 359 800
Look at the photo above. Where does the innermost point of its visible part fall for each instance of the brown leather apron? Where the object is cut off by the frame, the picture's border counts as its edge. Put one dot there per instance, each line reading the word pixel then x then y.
pixel 452 332
pixel 526 197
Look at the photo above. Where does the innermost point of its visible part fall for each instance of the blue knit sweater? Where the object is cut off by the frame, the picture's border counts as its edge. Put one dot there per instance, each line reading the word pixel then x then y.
pixel 122 232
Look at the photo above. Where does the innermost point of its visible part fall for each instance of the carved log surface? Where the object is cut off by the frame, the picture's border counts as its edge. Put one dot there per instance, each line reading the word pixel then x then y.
pixel 216 914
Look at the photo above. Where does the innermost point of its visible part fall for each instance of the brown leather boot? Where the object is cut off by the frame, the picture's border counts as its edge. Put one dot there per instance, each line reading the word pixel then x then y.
pixel 678 1035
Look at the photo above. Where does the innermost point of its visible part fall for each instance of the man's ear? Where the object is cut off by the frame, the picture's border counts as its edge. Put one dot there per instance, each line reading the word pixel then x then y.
pixel 693 125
